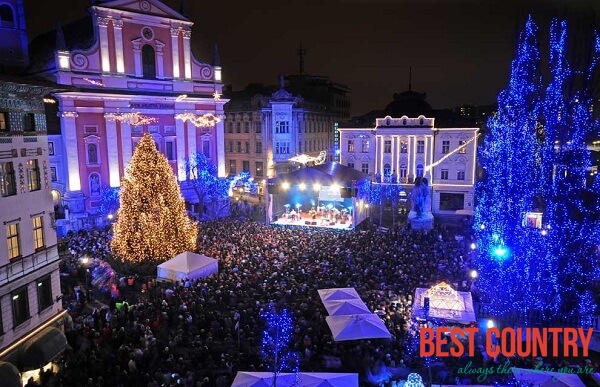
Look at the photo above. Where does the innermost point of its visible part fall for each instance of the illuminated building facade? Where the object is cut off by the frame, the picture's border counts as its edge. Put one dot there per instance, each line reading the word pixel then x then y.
pixel 30 307
pixel 264 128
pixel 125 70
pixel 407 147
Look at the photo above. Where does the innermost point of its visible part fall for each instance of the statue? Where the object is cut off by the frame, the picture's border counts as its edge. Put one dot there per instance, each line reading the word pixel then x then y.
pixel 420 215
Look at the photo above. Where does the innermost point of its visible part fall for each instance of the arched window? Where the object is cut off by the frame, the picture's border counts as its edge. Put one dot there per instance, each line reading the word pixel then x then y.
pixel 7 18
pixel 95 184
pixel 92 150
pixel 148 62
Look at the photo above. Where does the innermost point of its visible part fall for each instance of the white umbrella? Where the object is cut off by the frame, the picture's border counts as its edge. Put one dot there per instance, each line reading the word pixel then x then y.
pixel 357 327
pixel 263 379
pixel 338 294
pixel 346 307
pixel 328 379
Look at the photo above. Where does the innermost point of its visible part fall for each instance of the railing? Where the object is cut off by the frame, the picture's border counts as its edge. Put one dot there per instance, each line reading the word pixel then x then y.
pixel 19 267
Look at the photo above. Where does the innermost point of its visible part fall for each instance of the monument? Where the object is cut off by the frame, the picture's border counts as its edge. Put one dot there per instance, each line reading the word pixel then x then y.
pixel 420 216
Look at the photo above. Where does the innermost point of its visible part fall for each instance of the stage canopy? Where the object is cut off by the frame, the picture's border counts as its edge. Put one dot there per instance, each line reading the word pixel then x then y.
pixel 187 265
pixel 445 303
pixel 323 174
pixel 303 379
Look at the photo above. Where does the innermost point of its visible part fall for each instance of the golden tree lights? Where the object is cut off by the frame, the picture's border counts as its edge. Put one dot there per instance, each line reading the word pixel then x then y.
pixel 152 224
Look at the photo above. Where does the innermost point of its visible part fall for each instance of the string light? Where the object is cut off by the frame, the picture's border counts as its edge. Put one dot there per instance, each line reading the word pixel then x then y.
pixel 277 344
pixel 199 121
pixel 152 224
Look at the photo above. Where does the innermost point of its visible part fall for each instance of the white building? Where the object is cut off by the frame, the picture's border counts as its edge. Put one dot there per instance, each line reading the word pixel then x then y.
pixel 404 148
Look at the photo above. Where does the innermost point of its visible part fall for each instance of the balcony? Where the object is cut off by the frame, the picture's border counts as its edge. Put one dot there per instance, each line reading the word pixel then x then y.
pixel 22 266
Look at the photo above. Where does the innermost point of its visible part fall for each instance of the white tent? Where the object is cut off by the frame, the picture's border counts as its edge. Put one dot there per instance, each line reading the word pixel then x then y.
pixel 187 265
pixel 345 307
pixel 303 379
pixel 357 327
pixel 444 303
pixel 338 294
pixel 539 378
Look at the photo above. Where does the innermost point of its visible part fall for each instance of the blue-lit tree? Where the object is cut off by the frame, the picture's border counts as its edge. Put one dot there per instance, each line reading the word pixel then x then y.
pixel 508 157
pixel 109 201
pixel 211 190
pixel 277 346
pixel 572 213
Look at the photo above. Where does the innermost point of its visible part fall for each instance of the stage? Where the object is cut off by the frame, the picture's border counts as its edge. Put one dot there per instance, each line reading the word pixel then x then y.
pixel 306 220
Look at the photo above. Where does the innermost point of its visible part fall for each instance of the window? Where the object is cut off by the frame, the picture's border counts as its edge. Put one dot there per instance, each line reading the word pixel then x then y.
pixel 20 306
pixel 350 145
pixel 206 148
pixel 387 146
pixel 282 127
pixel 6 16
pixel 444 174
pixel 452 201
pixel 387 170
pixel 232 167
pixel 403 147
pixel 92 153
pixel 259 169
pixel 4 122
pixel 33 175
pixel 230 127
pixel 351 164
pixel 247 146
pixel 239 147
pixel 462 147
pixel 282 147
pixel 245 166
pixel 365 146
pixel 365 168
pixel 148 62
pixel 238 127
pixel 445 146
pixel 421 146
pixel 53 174
pixel 403 171
pixel 29 122
pixel 170 150
pixel 299 146
pixel 231 146
pixel 38 232
pixel 258 127
pixel 460 175
pixel 50 149
pixel 95 184
pixel 44 293
pixel 259 147
pixel 246 127
pixel 12 241
pixel 420 170
pixel 8 183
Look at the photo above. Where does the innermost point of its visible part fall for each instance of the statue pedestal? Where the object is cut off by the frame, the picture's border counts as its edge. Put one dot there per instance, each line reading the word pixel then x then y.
pixel 422 222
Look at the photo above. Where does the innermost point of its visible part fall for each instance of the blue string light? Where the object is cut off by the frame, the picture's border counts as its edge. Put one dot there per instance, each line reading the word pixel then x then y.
pixel 277 346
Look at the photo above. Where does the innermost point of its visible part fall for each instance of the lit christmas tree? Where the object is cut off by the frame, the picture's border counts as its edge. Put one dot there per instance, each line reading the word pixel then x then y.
pixel 152 224
pixel 277 345
pixel 508 157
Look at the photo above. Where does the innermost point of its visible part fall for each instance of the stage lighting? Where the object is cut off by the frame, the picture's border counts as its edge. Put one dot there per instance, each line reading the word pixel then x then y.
pixel 317 187
pixel 490 324
pixel 285 185
pixel 302 186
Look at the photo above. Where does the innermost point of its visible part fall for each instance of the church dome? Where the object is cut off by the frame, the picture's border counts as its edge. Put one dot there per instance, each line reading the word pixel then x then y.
pixel 410 104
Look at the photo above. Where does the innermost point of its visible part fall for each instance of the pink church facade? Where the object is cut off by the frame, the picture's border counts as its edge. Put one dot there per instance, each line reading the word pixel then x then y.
pixel 137 65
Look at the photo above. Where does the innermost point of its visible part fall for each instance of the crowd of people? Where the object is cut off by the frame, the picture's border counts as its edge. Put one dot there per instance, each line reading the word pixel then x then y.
pixel 201 332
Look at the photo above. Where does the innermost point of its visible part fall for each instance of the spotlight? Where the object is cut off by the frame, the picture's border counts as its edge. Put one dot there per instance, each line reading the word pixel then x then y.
pixel 302 186
pixel 482 227
pixel 544 232
pixel 317 187
pixel 285 185
pixel 473 274
pixel 490 324
pixel 473 246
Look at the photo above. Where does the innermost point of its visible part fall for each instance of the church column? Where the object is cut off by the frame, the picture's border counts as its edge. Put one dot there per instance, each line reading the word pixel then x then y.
pixel 180 133
pixel 187 54
pixel 160 60
pixel 220 139
pixel 137 57
pixel 69 137
pixel 126 143
pixel 411 149
pixel 191 139
pixel 112 148
pixel 175 51
pixel 104 53
pixel 118 28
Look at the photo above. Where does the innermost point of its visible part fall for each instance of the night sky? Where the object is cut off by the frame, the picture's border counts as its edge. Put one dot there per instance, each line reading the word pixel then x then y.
pixel 460 51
